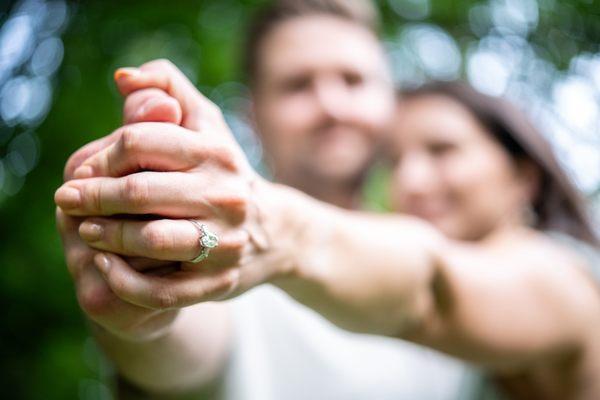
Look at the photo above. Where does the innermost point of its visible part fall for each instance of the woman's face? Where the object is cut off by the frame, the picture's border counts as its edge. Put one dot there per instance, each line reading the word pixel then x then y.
pixel 451 172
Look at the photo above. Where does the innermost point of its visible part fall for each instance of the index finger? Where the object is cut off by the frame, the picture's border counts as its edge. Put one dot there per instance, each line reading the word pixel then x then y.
pixel 154 146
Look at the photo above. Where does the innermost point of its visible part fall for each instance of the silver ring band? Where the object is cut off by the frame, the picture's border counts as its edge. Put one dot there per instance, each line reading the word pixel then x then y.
pixel 207 240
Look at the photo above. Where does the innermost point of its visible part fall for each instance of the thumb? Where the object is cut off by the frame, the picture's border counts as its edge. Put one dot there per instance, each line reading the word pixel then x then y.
pixel 197 110
pixel 151 105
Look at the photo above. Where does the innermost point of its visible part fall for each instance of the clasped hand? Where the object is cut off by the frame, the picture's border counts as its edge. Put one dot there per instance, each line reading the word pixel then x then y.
pixel 125 206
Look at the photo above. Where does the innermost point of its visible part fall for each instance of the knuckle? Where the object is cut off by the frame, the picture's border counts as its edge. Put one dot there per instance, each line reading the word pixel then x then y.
pixel 165 63
pixel 117 233
pixel 135 191
pixel 119 284
pixel 160 64
pixel 226 158
pixel 212 109
pixel 213 113
pixel 162 298
pixel 130 139
pixel 92 196
pixel 240 243
pixel 227 283
pixel 238 204
pixel 197 149
pixel 96 301
pixel 157 239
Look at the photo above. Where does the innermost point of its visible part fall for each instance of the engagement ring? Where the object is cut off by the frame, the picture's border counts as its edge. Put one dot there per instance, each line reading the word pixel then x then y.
pixel 207 240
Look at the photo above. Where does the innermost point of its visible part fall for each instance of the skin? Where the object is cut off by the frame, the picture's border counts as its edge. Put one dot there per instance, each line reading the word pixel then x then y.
pixel 322 101
pixel 168 360
pixel 436 145
pixel 515 301
pixel 308 118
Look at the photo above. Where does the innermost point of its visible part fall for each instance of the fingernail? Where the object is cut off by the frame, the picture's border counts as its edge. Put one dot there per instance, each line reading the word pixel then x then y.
pixel 82 172
pixel 91 231
pixel 102 262
pixel 126 73
pixel 67 197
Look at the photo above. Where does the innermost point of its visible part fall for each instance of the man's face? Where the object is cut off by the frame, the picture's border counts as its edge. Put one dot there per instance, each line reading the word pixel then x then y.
pixel 322 98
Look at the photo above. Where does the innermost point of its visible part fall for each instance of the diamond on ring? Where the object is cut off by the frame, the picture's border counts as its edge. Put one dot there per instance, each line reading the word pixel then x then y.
pixel 207 240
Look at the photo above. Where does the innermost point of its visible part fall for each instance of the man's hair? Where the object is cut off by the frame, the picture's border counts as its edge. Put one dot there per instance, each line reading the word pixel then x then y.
pixel 362 12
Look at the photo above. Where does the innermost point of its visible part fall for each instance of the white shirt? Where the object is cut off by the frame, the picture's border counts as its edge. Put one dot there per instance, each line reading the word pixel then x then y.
pixel 283 350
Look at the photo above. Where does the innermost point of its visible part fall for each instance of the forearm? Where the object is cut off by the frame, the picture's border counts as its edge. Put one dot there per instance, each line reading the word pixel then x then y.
pixel 189 357
pixel 396 276
pixel 364 272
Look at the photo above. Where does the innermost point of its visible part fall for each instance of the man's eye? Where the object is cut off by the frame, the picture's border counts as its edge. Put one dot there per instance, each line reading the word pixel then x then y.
pixel 353 79
pixel 296 85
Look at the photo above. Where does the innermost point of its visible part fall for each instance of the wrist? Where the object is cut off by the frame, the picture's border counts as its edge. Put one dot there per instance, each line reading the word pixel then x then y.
pixel 301 233
pixel 293 225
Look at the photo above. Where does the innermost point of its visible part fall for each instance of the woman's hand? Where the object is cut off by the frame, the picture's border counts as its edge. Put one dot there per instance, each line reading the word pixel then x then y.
pixel 203 175
pixel 97 300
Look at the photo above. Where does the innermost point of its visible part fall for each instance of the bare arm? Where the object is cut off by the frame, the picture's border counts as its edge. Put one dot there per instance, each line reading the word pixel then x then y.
pixel 188 359
pixel 511 300
pixel 515 299
pixel 167 353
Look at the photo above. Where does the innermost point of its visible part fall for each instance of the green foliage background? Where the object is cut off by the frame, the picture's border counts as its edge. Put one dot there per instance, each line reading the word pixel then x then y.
pixel 45 349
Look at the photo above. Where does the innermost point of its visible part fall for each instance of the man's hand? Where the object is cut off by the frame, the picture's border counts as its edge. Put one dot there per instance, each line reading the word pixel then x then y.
pixel 98 301
pixel 176 173
pixel 96 298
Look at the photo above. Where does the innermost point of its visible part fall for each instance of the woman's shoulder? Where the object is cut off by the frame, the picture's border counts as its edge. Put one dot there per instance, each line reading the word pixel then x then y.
pixel 547 264
pixel 548 248
pixel 588 255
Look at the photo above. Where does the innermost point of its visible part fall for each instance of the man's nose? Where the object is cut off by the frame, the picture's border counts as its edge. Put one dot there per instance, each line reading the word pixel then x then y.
pixel 332 97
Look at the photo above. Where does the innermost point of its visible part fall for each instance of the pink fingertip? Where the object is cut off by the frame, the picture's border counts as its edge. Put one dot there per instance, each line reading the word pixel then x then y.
pixel 67 198
pixel 127 72
pixel 102 262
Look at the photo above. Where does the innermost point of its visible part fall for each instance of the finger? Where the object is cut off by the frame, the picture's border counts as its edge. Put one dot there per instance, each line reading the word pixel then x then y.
pixel 77 252
pixel 198 113
pixel 85 152
pixel 169 194
pixel 100 303
pixel 148 265
pixel 175 240
pixel 156 147
pixel 151 105
pixel 93 293
pixel 116 315
pixel 162 74
pixel 179 289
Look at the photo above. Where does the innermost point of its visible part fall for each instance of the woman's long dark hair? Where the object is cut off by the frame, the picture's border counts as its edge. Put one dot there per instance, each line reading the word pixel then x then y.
pixel 558 205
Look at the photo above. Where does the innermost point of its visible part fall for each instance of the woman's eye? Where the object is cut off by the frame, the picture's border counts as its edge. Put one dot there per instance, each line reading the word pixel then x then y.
pixel 440 149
